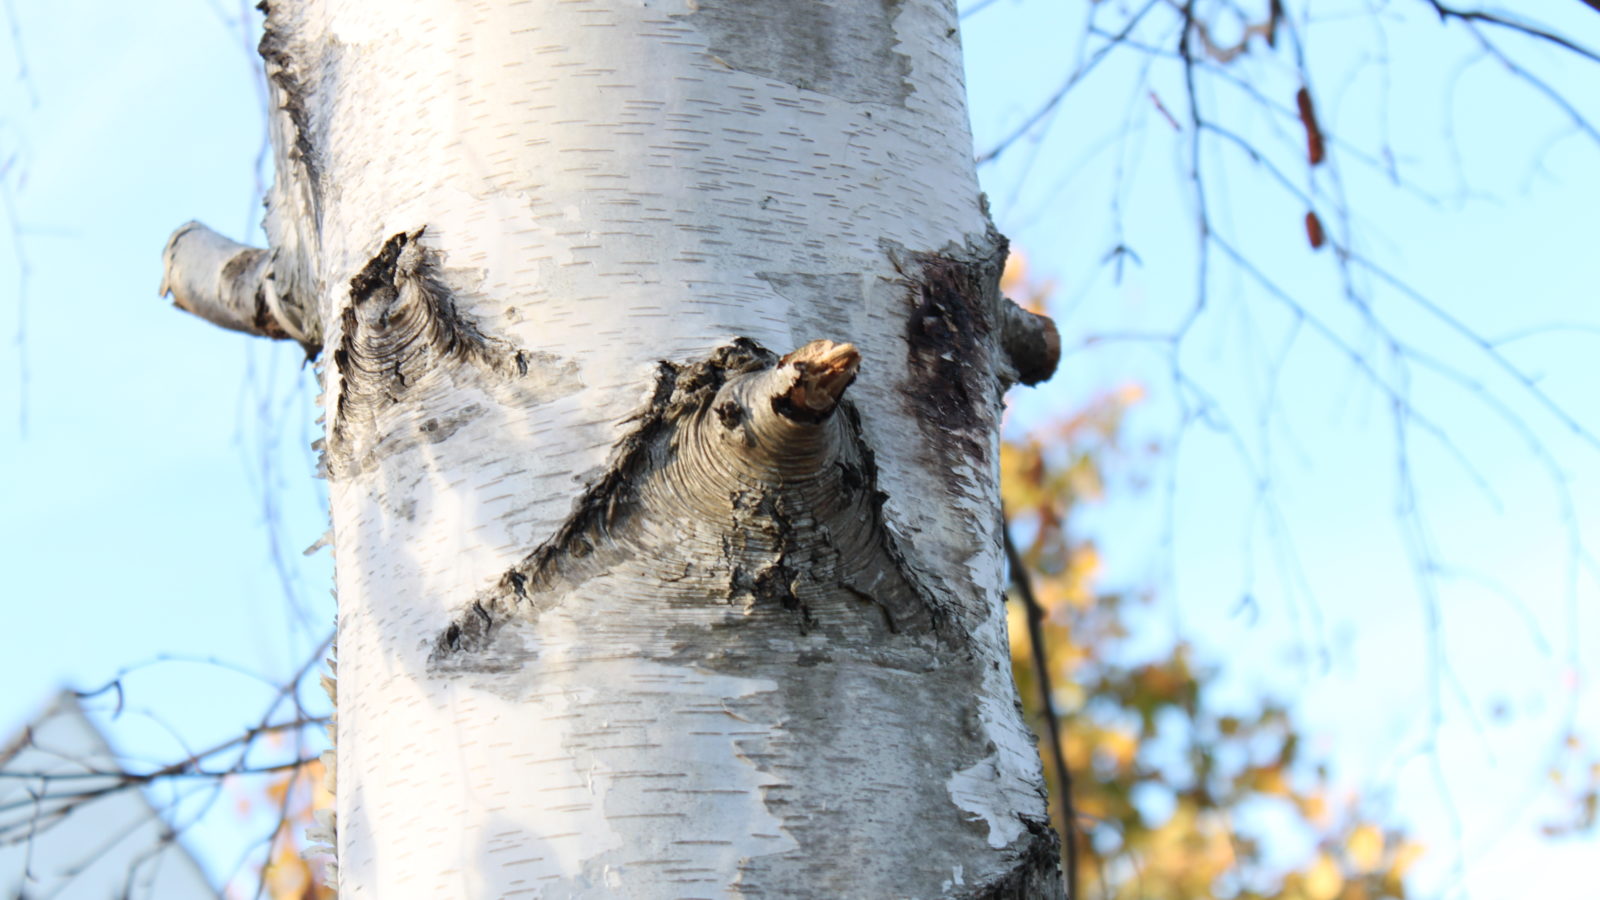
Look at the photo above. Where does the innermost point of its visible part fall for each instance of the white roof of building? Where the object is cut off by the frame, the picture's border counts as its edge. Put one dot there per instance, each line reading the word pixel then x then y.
pixel 79 834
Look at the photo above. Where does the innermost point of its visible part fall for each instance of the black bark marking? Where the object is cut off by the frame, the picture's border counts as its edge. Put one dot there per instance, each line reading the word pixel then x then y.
pixel 834 631
pixel 402 332
pixel 775 582
pixel 679 392
pixel 811 47
pixel 952 387
pixel 730 414
pixel 771 555
pixel 1036 874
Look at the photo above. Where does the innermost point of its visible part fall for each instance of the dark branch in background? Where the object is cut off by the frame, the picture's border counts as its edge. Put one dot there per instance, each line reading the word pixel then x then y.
pixel 1470 16
pixel 55 796
pixel 1041 669
pixel 189 767
pixel 280 830
pixel 1061 93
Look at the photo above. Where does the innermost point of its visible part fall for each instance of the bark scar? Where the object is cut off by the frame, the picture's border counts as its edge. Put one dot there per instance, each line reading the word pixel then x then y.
pixel 952 385
pixel 402 336
pixel 781 552
pixel 965 344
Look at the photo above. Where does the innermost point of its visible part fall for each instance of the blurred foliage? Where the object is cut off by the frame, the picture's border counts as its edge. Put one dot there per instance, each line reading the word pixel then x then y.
pixel 290 873
pixel 1174 800
pixel 1575 774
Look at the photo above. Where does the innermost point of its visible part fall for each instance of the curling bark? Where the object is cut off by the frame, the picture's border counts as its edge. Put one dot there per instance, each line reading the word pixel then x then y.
pixel 635 597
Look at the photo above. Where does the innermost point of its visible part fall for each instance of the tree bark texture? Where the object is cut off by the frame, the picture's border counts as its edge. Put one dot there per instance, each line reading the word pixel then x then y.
pixel 663 354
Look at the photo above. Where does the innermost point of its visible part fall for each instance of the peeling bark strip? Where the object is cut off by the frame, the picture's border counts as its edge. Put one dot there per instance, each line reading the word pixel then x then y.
pixel 282 65
pixel 323 836
pixel 743 447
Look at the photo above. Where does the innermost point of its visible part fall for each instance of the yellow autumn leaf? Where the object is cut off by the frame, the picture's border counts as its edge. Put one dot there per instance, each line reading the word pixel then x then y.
pixel 1405 857
pixel 1017 631
pixel 1323 879
pixel 1272 781
pixel 1070 697
pixel 1015 273
pixel 1314 806
pixel 1020 473
pixel 287 875
pixel 278 787
pixel 1051 593
pixel 1084 479
pixel 1364 848
pixel 1082 571
pixel 1121 746
pixel 1078 750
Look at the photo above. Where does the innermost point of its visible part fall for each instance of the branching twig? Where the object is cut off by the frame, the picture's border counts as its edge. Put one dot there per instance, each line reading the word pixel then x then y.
pixel 1072 80
pixel 1471 16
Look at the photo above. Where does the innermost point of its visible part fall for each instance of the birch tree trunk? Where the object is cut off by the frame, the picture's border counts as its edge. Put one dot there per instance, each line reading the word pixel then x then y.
pixel 635 599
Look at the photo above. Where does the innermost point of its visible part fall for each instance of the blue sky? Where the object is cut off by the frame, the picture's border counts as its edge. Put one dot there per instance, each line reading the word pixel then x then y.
pixel 1437 647
pixel 151 453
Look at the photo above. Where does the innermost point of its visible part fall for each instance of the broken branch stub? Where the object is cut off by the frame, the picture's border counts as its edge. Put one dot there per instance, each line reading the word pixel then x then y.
pixel 746 489
pixel 1031 342
pixel 234 286
pixel 821 370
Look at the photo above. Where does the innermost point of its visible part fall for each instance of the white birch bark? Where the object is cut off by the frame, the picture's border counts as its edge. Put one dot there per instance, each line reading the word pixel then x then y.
pixel 627 607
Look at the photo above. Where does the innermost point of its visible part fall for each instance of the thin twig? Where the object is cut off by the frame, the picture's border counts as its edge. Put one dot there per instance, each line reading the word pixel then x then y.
pixel 1471 16
pixel 1061 92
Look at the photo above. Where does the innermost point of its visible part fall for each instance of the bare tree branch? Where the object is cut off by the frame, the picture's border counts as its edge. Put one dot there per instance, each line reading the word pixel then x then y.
pixel 1034 614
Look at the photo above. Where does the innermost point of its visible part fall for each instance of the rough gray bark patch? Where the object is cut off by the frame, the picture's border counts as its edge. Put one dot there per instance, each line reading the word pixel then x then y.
pixel 1036 875
pixel 809 46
